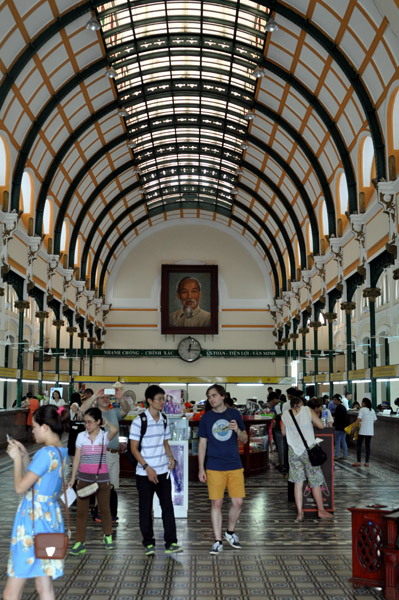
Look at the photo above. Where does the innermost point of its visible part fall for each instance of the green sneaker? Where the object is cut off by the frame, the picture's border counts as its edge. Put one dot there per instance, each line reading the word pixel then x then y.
pixel 173 548
pixel 77 549
pixel 149 550
pixel 108 543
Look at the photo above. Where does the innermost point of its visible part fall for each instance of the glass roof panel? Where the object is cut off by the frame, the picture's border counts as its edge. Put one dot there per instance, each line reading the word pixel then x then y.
pixel 184 77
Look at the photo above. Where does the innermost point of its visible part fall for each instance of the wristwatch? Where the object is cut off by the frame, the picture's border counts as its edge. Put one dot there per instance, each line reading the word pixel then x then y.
pixel 145 465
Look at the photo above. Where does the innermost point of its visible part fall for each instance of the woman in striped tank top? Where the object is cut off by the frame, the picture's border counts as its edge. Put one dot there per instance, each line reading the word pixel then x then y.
pixel 90 466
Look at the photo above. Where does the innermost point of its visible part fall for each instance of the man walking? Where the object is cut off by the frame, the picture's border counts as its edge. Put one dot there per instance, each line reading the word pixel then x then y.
pixel 154 463
pixel 219 430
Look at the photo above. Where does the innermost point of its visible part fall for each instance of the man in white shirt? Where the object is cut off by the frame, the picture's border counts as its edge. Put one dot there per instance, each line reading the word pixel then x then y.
pixel 154 463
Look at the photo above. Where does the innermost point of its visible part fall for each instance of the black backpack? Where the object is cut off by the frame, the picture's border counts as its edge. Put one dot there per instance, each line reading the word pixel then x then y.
pixel 143 418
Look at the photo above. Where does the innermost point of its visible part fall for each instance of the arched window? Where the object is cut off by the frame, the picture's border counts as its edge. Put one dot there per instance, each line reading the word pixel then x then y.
pixel 324 219
pixel 367 161
pixel 395 121
pixel 3 162
pixel 64 236
pixel 343 194
pixel 76 258
pixel 309 238
pixel 27 193
pixel 47 217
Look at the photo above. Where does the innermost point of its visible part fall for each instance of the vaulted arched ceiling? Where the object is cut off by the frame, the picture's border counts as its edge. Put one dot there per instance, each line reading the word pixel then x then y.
pixel 159 111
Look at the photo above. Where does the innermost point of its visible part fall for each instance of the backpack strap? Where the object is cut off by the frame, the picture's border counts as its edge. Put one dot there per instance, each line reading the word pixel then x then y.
pixel 165 421
pixel 143 428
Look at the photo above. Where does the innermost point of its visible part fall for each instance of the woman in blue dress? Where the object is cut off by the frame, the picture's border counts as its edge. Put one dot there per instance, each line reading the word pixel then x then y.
pixel 45 473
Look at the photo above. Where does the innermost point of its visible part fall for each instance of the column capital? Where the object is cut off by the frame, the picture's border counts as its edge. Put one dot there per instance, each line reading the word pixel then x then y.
pixel 330 316
pixel 294 336
pixel 303 330
pixel 279 345
pixel 99 343
pixel 41 315
pixel 285 341
pixel 71 330
pixel 82 335
pixel 315 324
pixel 21 305
pixel 371 293
pixel 91 340
pixel 348 307
pixel 58 323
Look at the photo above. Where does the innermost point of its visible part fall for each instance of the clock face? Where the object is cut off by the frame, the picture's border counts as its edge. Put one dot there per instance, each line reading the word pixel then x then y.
pixel 189 349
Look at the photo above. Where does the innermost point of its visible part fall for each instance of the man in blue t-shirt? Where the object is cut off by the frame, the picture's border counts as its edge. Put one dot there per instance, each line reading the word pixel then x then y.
pixel 219 430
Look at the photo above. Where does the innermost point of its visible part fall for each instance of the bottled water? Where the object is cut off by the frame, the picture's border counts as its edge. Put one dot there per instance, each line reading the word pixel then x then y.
pixel 325 417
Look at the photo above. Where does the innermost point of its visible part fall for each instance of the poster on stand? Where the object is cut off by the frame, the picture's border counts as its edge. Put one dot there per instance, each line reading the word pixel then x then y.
pixel 179 480
pixel 173 402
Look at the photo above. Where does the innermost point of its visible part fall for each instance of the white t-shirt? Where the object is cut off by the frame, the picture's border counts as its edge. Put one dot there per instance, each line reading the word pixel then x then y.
pixel 286 405
pixel 152 448
pixel 304 420
pixel 345 402
pixel 367 418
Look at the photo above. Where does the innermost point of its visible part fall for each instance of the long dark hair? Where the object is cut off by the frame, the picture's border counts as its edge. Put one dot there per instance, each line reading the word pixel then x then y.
pixel 57 419
pixel 219 388
pixel 367 402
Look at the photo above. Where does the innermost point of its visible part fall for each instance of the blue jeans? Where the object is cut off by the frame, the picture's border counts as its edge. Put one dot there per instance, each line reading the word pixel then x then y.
pixel 340 440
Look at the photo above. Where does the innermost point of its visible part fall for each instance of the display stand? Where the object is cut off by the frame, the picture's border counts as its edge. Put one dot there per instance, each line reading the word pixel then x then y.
pixel 179 479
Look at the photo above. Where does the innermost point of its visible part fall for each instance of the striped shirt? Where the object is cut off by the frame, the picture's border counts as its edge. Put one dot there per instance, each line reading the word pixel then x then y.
pixel 152 448
pixel 91 456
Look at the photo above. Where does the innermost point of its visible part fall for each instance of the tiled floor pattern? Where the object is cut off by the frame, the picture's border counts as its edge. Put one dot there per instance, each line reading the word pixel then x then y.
pixel 280 560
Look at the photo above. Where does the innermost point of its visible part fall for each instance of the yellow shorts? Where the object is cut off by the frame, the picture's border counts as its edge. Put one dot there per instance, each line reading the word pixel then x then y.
pixel 219 480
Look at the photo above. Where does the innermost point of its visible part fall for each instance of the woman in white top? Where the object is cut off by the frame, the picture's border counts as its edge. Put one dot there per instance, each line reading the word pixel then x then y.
pixel 365 419
pixel 56 399
pixel 299 463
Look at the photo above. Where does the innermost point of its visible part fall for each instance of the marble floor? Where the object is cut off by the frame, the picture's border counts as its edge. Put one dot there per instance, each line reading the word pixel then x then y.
pixel 280 560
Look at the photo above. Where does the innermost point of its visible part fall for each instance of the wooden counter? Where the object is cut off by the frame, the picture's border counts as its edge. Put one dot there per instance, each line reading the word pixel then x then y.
pixel 385 443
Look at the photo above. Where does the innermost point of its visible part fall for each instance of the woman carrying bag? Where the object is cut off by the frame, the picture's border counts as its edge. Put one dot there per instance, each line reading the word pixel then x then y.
pixel 91 471
pixel 45 473
pixel 300 466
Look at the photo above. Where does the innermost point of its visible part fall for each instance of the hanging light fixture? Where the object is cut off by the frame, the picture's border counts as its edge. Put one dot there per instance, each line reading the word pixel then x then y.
pixel 123 112
pixel 258 73
pixel 49 352
pixel 8 341
pixel 111 73
pixel 244 146
pixel 249 115
pixel 271 25
pixel 93 24
pixel 239 171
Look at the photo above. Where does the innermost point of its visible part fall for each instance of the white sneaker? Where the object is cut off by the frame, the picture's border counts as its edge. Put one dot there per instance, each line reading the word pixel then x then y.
pixel 216 548
pixel 233 540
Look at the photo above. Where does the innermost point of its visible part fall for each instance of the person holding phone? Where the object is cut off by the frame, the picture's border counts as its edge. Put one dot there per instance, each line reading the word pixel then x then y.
pixel 44 471
pixel 219 431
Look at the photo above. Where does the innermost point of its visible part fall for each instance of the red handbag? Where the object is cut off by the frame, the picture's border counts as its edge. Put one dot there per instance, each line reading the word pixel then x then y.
pixel 51 545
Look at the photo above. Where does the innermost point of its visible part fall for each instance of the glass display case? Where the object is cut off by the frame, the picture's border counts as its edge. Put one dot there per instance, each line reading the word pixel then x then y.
pixel 258 438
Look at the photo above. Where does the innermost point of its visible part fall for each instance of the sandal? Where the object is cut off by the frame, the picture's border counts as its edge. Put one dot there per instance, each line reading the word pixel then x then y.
pixel 299 519
pixel 356 465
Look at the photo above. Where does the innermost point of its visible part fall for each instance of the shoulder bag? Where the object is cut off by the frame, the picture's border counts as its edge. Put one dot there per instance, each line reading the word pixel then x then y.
pixel 51 545
pixel 316 454
pixel 90 489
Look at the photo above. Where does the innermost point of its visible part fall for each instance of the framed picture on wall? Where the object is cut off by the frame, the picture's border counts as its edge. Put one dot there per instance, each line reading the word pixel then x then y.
pixel 189 299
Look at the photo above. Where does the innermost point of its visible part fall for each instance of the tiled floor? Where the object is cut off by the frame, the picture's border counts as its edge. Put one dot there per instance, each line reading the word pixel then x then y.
pixel 280 560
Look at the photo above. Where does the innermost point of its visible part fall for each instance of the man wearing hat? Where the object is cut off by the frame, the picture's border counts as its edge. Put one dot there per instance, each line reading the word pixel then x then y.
pixel 113 415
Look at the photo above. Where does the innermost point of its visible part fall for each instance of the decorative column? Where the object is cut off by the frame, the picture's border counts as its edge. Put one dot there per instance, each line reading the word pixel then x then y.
pixel 41 315
pixel 372 294
pixel 315 325
pixel 91 340
pixel 81 335
pixel 21 305
pixel 71 331
pixel 303 331
pixel 58 323
pixel 285 341
pixel 348 307
pixel 331 317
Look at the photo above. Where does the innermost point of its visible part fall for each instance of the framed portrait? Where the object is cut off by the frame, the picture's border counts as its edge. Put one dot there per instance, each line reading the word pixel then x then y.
pixel 189 299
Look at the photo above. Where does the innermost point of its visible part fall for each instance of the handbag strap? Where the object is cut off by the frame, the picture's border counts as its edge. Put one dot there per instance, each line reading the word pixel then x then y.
pixel 66 502
pixel 102 454
pixel 299 429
